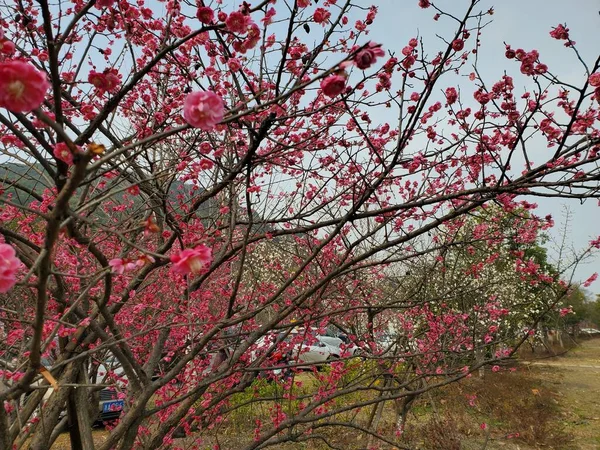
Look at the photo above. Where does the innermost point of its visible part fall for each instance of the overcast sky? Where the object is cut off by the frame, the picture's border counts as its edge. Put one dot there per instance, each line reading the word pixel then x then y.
pixel 524 24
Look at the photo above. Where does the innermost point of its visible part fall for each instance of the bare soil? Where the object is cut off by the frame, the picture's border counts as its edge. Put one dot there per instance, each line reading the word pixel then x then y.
pixel 575 381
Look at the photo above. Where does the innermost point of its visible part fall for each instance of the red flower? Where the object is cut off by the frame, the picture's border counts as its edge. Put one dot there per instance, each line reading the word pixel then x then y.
pixel 9 265
pixel 206 164
pixel 107 81
pixel 333 85
pixel 203 109
pixel 104 3
pixel 119 265
pixel 63 153
pixel 192 260
pixel 22 86
pixel 451 95
pixel 594 79
pixel 237 22
pixel 458 45
pixel 560 33
pixel 205 14
pixel 366 57
pixel 6 47
pixel 321 15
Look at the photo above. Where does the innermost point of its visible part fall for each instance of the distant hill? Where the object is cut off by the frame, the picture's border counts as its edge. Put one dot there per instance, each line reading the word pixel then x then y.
pixel 34 179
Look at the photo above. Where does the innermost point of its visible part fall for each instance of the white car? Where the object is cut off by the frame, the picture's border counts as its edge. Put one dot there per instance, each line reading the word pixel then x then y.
pixel 340 348
pixel 590 331
pixel 298 347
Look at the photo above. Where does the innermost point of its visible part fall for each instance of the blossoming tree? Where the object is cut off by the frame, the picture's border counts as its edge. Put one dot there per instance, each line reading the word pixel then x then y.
pixel 198 189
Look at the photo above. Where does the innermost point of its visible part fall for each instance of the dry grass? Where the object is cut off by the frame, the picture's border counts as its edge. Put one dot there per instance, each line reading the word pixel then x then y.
pixel 537 406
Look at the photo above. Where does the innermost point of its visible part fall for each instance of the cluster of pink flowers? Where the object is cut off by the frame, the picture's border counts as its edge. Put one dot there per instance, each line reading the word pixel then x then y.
pixel 481 97
pixel 590 280
pixel 530 64
pixel 22 86
pixel 122 265
pixel 335 84
pixel 6 47
pixel 238 22
pixel 561 33
pixel 252 39
pixel 104 3
pixel 203 109
pixel 192 260
pixel 594 81
pixel 321 15
pixel 9 265
pixel 451 95
pixel 107 81
pixel 63 153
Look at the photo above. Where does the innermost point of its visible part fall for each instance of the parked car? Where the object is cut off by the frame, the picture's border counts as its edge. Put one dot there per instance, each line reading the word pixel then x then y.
pixel 110 405
pixel 589 331
pixel 298 347
pixel 341 347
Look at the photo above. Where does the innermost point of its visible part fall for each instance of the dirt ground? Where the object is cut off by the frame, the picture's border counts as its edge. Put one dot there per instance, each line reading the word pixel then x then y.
pixel 574 379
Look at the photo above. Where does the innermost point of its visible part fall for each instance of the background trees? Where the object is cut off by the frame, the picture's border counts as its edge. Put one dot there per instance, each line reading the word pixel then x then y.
pixel 181 181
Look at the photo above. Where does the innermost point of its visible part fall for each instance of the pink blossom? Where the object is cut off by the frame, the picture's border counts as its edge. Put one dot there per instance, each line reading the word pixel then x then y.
pixel 62 152
pixel 424 4
pixel 333 85
pixel 303 3
pixel 238 22
pixel 203 109
pixel 565 311
pixel 560 33
pixel 122 265
pixel 104 3
pixel 6 47
pixel 192 260
pixel 590 280
pixel 22 86
pixel 9 265
pixel 234 64
pixel 495 368
pixel 107 81
pixel 321 15
pixel 458 44
pixel 206 164
pixel 366 57
pixel 451 95
pixel 205 14
pixel 205 148
pixel 594 79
